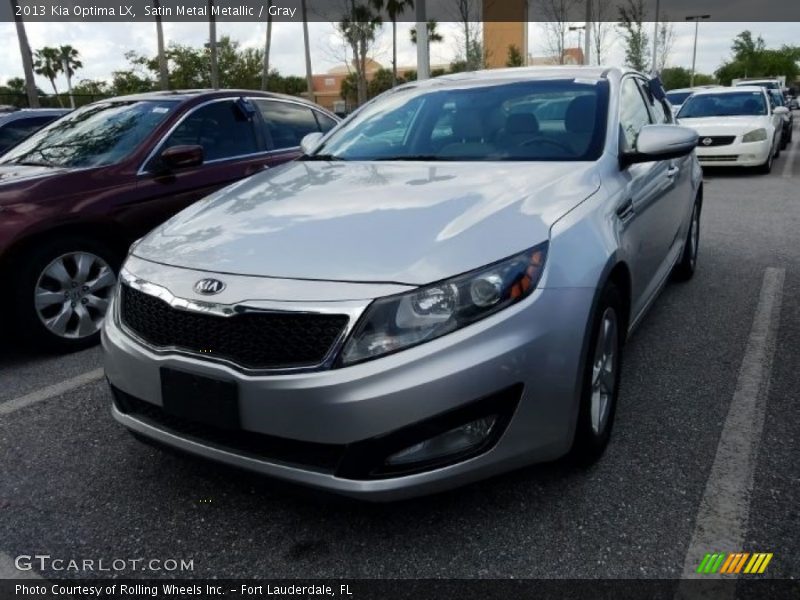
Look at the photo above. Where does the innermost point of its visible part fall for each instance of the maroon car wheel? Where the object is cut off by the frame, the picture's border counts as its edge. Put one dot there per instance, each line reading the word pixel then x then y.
pixel 64 293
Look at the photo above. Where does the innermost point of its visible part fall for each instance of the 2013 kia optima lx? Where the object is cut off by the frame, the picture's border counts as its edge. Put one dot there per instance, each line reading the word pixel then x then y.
pixel 438 292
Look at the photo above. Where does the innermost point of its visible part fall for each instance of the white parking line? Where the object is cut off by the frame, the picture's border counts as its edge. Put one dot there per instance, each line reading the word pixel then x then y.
pixel 9 571
pixel 722 517
pixel 50 391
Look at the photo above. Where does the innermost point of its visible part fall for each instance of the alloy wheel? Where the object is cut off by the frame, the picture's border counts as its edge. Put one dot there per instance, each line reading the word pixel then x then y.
pixel 694 237
pixel 604 371
pixel 73 293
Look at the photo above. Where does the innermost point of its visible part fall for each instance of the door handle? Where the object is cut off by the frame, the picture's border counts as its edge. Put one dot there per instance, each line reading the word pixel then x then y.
pixel 625 210
pixel 673 171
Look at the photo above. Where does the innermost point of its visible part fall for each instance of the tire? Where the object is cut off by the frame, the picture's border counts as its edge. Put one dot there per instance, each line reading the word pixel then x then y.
pixel 687 265
pixel 766 168
pixel 598 404
pixel 73 279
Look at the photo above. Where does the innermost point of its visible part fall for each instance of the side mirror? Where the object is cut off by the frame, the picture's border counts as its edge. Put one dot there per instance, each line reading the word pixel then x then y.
pixel 310 142
pixel 780 110
pixel 661 142
pixel 182 157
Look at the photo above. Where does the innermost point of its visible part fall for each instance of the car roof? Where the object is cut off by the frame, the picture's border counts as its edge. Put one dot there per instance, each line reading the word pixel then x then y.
pixel 206 94
pixel 729 90
pixel 27 113
pixel 519 74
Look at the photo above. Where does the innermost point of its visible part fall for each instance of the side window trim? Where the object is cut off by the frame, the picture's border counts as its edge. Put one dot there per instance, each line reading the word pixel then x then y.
pixel 143 168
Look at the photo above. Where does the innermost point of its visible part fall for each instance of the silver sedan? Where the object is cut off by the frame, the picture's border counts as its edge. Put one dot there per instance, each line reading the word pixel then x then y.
pixel 437 292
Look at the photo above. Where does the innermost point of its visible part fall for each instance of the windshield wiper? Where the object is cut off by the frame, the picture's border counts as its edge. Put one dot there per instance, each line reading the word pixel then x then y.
pixel 425 157
pixel 325 157
pixel 31 163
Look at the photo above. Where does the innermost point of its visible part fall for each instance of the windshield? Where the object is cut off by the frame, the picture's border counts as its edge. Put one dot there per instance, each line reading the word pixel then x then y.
pixel 553 120
pixel 96 135
pixel 678 98
pixel 724 105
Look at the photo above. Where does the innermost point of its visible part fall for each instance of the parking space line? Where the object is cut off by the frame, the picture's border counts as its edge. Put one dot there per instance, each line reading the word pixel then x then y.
pixel 50 391
pixel 9 571
pixel 723 513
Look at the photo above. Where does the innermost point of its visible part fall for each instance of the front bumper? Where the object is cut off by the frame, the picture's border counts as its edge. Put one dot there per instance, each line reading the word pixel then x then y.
pixel 738 154
pixel 531 351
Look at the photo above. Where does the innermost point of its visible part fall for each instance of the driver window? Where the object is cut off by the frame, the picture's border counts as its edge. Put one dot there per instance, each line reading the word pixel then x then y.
pixel 633 113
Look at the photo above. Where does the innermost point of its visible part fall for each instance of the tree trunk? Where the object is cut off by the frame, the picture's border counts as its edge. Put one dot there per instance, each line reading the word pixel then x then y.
pixel 163 71
pixel 212 45
pixel 27 60
pixel 394 52
pixel 309 72
pixel 267 44
pixel 55 91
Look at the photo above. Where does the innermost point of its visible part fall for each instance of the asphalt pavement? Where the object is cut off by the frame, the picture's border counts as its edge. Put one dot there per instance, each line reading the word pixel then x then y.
pixel 705 444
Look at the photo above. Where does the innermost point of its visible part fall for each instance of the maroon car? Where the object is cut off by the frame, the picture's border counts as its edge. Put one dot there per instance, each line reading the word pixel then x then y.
pixel 77 193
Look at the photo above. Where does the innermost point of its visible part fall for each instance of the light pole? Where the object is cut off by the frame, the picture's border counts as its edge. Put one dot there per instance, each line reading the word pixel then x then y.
pixel 583 28
pixel 653 68
pixel 696 19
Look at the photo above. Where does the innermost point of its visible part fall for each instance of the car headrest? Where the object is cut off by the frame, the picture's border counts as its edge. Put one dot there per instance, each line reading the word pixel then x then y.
pixel 580 116
pixel 522 123
pixel 467 125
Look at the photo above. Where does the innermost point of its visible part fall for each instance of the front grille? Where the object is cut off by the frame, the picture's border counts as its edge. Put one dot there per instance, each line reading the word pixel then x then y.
pixel 723 158
pixel 309 455
pixel 716 140
pixel 255 340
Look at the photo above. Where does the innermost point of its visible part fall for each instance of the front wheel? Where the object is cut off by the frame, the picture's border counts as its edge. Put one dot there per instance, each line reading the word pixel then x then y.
pixel 600 379
pixel 687 265
pixel 766 168
pixel 63 290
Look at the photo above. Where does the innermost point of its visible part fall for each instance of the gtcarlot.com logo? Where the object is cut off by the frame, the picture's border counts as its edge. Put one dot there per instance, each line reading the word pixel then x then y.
pixel 45 562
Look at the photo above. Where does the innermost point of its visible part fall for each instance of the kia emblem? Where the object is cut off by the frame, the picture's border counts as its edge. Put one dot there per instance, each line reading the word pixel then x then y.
pixel 209 287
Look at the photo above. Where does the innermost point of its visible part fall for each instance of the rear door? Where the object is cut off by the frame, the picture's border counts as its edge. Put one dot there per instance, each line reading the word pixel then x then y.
pixel 234 148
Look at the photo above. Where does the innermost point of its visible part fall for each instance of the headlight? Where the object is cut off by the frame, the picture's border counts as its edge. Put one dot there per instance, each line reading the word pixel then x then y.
pixel 399 322
pixel 758 135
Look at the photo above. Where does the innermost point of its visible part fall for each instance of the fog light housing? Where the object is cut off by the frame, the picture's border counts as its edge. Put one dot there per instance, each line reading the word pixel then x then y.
pixel 456 441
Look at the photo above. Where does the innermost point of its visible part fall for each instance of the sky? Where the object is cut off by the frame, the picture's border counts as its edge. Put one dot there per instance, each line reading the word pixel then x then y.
pixel 102 45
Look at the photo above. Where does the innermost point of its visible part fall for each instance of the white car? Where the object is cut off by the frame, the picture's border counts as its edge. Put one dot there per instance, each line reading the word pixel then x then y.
pixel 737 127
pixel 676 98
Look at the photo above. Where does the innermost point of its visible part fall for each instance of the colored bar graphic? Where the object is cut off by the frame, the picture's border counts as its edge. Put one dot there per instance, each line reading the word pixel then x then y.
pixel 727 565
pixel 765 563
pixel 731 563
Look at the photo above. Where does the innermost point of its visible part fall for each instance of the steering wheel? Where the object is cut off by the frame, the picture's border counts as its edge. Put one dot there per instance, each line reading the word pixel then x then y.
pixel 538 140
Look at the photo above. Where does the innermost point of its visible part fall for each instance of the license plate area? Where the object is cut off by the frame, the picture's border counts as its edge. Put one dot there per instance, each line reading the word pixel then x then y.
pixel 200 399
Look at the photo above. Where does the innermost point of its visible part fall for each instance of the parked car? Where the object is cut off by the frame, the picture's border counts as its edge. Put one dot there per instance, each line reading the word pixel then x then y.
pixel 75 195
pixel 677 97
pixel 414 305
pixel 788 118
pixel 793 104
pixel 737 126
pixel 16 126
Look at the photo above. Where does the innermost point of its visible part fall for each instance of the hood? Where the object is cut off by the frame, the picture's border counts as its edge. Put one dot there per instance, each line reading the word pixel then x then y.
pixel 407 223
pixel 10 173
pixel 726 125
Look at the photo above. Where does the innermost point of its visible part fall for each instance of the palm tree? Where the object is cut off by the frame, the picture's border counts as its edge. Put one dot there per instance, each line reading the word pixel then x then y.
pixel 69 64
pixel 47 63
pixel 309 73
pixel 433 35
pixel 395 8
pixel 163 71
pixel 27 61
pixel 212 44
pixel 267 44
